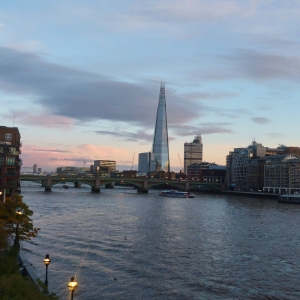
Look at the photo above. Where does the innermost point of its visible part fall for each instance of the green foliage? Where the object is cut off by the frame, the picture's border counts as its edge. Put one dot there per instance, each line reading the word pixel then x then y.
pixel 15 216
pixel 16 287
pixel 3 235
pixel 13 286
pixel 8 263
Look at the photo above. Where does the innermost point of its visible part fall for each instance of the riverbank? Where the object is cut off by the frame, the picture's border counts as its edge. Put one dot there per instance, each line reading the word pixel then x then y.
pixel 251 194
pixel 237 193
pixel 16 283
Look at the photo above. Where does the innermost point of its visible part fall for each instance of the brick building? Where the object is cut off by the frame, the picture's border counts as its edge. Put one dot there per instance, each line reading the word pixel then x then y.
pixel 10 162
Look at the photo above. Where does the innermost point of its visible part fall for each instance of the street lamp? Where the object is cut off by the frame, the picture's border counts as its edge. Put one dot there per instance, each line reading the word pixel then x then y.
pixel 16 242
pixel 47 262
pixel 72 286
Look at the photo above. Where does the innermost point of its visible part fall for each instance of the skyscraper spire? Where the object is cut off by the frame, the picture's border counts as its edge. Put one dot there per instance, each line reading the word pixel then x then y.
pixel 160 148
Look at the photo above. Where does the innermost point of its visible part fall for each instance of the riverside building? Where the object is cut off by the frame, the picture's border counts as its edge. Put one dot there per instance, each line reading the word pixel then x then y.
pixel 252 168
pixel 10 162
pixel 206 172
pixel 193 152
pixel 282 174
pixel 104 167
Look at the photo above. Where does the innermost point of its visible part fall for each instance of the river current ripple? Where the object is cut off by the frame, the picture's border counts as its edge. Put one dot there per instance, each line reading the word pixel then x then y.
pixel 124 245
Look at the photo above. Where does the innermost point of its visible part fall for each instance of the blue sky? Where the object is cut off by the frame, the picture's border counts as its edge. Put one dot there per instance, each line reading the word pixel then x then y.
pixel 82 78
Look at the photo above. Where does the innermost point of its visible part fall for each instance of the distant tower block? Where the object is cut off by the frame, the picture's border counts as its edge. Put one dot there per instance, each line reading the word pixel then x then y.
pixel 34 168
pixel 143 162
pixel 193 152
pixel 160 147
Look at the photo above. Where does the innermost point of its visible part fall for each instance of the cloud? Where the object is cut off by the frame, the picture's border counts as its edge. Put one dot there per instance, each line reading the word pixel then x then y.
pixel 40 119
pixel 258 66
pixel 101 151
pixel 234 113
pixel 275 135
pixel 50 150
pixel 206 128
pixel 128 136
pixel 28 46
pixel 260 120
pixel 210 96
pixel 84 96
pixel 51 158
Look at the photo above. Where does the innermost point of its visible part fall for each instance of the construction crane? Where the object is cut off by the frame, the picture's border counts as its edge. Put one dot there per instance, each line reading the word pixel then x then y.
pixel 84 161
pixel 132 161
pixel 180 162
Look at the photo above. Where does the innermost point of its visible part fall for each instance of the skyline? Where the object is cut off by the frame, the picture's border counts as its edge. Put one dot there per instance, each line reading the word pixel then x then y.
pixel 83 78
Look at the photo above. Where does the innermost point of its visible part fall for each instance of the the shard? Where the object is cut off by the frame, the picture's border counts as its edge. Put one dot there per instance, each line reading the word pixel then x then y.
pixel 160 147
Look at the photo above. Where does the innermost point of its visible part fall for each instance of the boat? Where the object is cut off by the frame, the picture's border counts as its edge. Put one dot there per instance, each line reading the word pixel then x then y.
pixel 65 186
pixel 176 194
pixel 289 198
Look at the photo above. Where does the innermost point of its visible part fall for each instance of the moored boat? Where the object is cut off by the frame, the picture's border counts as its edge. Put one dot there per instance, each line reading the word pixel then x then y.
pixel 176 194
pixel 289 198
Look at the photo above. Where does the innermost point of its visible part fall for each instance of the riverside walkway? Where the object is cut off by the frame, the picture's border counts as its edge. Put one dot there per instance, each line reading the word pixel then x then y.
pixel 96 182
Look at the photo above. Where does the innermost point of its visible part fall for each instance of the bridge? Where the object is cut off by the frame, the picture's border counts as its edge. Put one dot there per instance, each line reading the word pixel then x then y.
pixel 96 182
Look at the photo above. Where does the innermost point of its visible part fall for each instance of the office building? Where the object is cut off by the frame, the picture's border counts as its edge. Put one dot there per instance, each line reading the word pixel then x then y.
pixel 160 147
pixel 206 172
pixel 143 164
pixel 104 167
pixel 251 168
pixel 282 174
pixel 193 152
pixel 10 162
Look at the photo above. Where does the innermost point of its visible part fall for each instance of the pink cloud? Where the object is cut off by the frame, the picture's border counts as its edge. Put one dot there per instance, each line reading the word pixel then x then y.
pixel 50 158
pixel 101 151
pixel 46 158
pixel 41 119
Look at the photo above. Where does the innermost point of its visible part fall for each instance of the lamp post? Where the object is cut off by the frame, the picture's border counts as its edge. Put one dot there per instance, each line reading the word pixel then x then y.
pixel 16 242
pixel 47 262
pixel 72 286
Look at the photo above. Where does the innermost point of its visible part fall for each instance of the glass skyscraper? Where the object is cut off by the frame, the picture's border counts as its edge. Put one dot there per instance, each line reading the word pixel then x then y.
pixel 160 147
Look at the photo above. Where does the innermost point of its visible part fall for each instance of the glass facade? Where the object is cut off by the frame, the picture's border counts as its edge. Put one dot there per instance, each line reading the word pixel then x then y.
pixel 160 148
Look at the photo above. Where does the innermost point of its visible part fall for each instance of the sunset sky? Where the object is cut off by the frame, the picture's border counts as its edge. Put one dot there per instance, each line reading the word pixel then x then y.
pixel 81 78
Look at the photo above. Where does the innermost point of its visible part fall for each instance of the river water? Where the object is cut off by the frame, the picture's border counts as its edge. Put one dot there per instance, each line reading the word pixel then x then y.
pixel 124 245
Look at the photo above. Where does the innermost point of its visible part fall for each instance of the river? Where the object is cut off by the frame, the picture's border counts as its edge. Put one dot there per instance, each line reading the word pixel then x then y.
pixel 124 245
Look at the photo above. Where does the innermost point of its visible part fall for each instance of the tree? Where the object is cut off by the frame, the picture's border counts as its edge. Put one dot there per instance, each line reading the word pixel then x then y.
pixel 15 216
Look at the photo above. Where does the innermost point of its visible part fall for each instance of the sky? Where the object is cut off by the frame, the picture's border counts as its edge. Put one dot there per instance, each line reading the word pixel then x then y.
pixel 81 79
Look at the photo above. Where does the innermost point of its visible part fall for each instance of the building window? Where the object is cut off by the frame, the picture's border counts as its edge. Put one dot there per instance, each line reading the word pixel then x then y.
pixel 1 149
pixel 1 161
pixel 10 161
pixel 8 136
pixel 12 151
